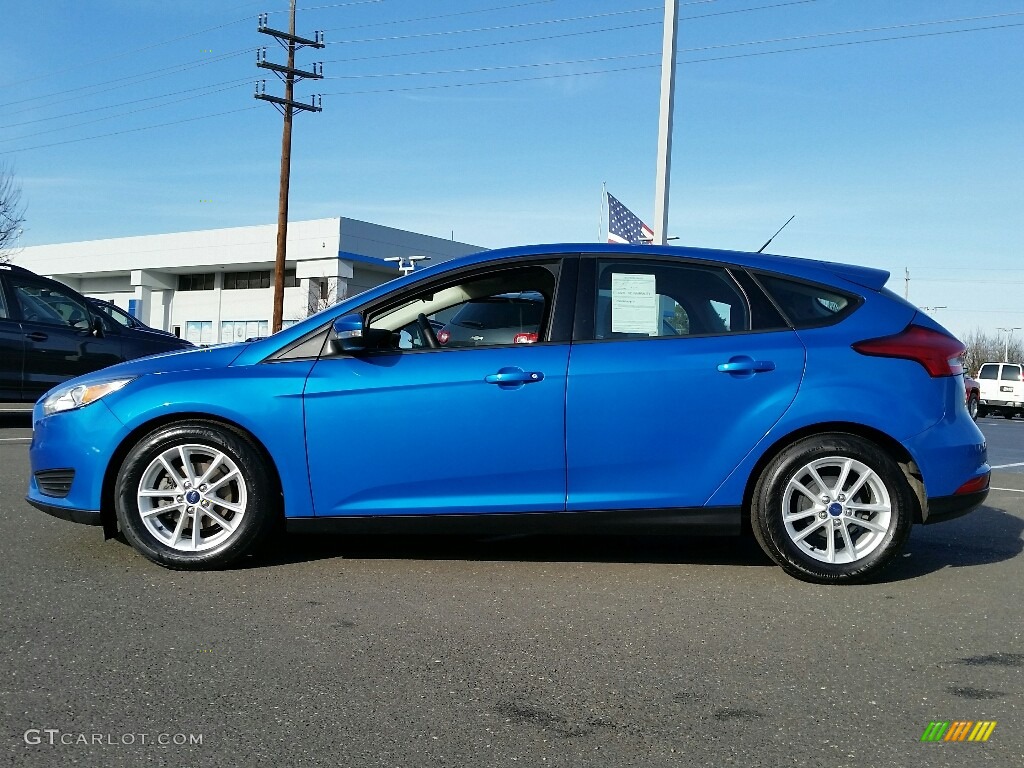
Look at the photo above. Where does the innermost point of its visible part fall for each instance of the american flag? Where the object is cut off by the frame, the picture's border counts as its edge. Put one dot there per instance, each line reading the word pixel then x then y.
pixel 624 226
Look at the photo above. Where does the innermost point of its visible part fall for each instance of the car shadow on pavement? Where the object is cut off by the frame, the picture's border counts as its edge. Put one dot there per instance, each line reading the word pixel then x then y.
pixel 296 548
pixel 987 535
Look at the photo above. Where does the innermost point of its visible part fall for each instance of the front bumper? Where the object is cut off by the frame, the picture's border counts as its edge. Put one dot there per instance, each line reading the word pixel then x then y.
pixel 79 443
pixel 84 516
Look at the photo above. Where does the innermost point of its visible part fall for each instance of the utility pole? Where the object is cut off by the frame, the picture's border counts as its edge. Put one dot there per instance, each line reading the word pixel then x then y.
pixel 1006 346
pixel 906 283
pixel 668 86
pixel 289 74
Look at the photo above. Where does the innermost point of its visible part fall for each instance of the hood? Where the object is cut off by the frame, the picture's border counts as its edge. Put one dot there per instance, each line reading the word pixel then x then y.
pixel 191 359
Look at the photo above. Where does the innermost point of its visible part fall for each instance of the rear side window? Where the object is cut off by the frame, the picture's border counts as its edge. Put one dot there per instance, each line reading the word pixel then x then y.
pixel 643 299
pixel 807 305
pixel 1010 373
pixel 510 311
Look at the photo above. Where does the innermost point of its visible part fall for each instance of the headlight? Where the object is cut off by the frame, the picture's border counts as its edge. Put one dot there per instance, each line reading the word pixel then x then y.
pixel 83 394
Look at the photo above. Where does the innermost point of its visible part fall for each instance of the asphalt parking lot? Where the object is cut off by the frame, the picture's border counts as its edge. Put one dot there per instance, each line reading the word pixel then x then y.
pixel 516 651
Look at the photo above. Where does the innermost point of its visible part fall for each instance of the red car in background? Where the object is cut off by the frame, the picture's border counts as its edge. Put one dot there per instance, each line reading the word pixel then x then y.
pixel 972 394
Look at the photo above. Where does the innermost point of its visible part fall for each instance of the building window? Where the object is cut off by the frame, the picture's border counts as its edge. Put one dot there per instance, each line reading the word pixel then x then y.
pixel 240 330
pixel 256 278
pixel 200 282
pixel 199 332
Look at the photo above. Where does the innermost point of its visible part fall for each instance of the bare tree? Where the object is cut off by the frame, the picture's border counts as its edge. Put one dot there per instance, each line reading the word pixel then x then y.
pixel 12 212
pixel 983 348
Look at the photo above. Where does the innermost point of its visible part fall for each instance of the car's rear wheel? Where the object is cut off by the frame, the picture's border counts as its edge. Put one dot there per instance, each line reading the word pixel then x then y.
pixel 972 405
pixel 194 495
pixel 1008 413
pixel 832 508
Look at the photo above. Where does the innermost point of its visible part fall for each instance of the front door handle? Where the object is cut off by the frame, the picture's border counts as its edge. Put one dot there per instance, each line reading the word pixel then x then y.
pixel 515 377
pixel 746 365
pixel 37 336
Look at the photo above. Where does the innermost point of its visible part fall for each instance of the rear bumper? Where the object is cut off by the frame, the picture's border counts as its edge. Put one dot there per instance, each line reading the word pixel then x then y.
pixel 944 508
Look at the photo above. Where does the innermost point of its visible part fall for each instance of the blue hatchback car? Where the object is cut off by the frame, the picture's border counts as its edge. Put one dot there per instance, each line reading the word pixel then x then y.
pixel 674 390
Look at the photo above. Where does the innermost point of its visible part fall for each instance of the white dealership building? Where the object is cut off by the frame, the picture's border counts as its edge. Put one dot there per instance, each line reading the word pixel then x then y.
pixel 216 285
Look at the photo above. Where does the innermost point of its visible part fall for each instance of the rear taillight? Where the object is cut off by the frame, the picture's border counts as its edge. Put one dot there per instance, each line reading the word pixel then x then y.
pixel 937 352
pixel 524 338
pixel 443 336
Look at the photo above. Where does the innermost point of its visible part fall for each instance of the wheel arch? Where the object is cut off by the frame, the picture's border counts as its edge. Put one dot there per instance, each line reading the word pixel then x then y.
pixel 108 515
pixel 888 443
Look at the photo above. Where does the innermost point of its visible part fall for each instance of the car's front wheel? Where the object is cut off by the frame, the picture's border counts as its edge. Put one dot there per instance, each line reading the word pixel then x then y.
pixel 194 495
pixel 832 508
pixel 972 405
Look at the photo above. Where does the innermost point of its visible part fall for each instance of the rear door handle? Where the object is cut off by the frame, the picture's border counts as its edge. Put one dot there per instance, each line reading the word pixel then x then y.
pixel 514 376
pixel 746 365
pixel 37 336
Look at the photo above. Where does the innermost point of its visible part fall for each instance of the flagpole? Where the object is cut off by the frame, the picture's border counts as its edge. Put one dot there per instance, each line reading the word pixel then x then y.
pixel 602 218
pixel 668 82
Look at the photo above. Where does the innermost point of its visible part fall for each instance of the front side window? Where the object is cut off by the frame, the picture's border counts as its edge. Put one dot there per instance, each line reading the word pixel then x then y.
pixel 644 299
pixel 502 307
pixel 989 371
pixel 42 303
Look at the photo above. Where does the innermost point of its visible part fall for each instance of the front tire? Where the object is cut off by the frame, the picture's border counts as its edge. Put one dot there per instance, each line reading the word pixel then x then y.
pixel 194 495
pixel 972 406
pixel 832 508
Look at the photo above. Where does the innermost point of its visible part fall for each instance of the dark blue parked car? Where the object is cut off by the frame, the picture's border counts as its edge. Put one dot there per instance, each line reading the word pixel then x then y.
pixel 668 389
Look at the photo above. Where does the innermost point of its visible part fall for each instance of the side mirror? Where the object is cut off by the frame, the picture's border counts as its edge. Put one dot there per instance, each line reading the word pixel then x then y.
pixel 348 336
pixel 97 327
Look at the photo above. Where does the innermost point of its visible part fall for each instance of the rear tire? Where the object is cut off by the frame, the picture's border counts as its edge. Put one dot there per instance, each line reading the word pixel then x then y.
pixel 195 495
pixel 832 508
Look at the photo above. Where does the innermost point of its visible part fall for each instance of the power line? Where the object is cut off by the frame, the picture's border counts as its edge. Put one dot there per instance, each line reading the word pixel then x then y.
pixel 84 64
pixel 517 25
pixel 126 103
pixel 684 61
pixel 546 38
pixel 131 130
pixel 234 84
pixel 451 15
pixel 136 79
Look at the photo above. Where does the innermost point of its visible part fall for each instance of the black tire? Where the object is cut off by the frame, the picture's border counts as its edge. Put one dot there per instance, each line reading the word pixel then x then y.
pixel 235 504
pixel 972 406
pixel 798 541
pixel 1008 414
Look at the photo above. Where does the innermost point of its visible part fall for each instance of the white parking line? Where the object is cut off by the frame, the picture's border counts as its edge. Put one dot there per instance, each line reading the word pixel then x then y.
pixel 15 439
pixel 1014 490
pixel 1004 466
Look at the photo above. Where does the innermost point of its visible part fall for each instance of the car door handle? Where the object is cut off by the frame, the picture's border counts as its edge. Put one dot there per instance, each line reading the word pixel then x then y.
pixel 747 365
pixel 37 336
pixel 514 376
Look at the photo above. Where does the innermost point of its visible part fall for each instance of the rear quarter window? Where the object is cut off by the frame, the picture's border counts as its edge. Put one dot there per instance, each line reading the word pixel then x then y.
pixel 807 305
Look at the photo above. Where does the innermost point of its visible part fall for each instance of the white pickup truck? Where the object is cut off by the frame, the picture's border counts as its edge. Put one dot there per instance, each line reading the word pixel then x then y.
pixel 1002 389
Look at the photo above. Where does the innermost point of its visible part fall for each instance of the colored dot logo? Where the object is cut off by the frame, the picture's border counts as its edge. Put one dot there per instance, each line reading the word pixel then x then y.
pixel 958 730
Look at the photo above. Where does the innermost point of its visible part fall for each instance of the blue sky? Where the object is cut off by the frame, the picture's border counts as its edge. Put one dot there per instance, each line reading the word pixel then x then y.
pixel 899 154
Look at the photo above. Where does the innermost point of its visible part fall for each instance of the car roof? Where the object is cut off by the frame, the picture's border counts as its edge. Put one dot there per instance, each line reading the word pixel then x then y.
pixel 810 269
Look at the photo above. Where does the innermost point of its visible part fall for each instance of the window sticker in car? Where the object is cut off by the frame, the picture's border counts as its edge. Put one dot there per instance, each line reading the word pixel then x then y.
pixel 634 304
